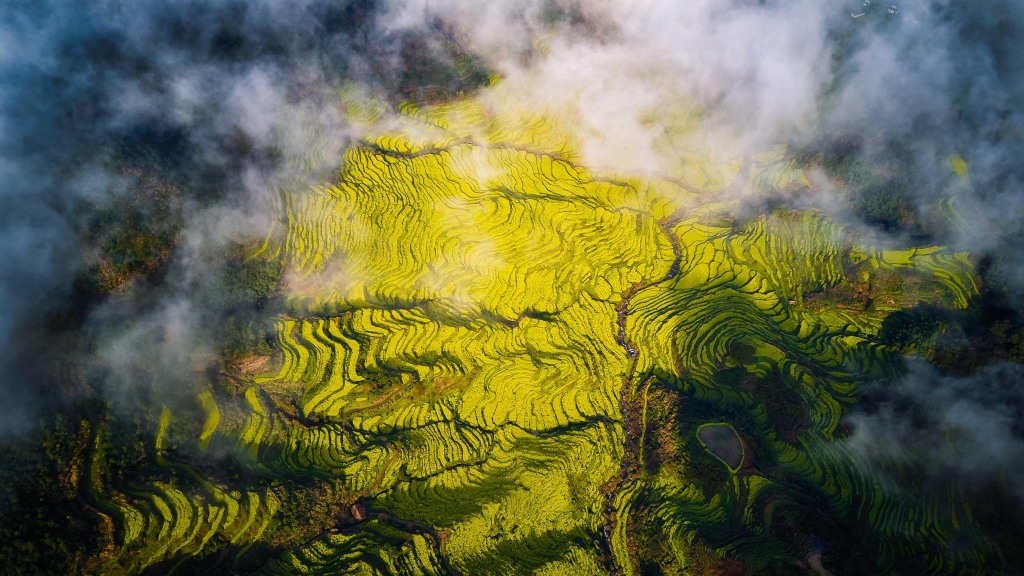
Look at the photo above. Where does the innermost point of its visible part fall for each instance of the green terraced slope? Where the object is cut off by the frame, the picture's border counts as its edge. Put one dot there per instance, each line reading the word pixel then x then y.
pixel 495 361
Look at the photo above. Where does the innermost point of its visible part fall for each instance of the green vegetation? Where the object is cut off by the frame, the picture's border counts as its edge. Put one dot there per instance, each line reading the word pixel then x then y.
pixel 470 354
pixel 135 233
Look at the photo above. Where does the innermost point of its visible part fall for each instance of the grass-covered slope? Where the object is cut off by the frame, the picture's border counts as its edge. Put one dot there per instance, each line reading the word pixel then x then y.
pixel 492 360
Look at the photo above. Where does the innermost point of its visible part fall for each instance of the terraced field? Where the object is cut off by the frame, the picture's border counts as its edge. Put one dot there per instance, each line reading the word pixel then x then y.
pixel 496 361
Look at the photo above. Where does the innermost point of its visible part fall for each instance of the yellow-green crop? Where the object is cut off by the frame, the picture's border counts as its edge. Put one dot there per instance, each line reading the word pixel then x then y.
pixel 495 361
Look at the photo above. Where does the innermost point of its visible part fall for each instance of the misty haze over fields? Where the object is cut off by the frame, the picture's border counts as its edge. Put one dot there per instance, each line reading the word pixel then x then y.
pixel 154 246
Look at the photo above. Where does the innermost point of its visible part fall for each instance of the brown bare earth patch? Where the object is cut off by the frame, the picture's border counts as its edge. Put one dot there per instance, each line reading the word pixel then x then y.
pixel 250 364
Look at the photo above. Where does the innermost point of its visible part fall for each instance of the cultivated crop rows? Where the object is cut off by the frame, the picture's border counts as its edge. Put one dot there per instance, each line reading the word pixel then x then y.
pixel 478 332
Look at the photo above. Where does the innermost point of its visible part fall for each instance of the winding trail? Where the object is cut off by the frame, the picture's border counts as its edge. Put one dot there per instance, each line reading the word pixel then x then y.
pixel 633 412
